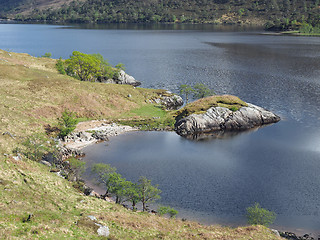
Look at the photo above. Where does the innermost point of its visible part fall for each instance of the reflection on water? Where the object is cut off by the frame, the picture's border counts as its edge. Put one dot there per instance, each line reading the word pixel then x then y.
pixel 222 134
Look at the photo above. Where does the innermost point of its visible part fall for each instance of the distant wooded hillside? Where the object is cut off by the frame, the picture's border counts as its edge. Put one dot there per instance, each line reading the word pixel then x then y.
pixel 280 14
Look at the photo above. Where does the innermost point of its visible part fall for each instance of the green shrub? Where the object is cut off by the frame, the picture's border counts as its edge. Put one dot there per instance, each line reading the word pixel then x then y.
pixel 47 55
pixel 36 146
pixel 60 66
pixel 172 212
pixel 66 123
pixel 233 108
pixel 77 166
pixel 162 210
pixel 257 215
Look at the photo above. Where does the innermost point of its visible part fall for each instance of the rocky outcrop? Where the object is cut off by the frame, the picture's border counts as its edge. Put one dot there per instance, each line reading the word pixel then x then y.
pixel 169 100
pixel 80 139
pixel 221 118
pixel 124 78
pixel 293 236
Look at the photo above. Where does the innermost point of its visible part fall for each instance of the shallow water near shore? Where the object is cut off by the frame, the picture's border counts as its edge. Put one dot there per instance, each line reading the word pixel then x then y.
pixel 211 180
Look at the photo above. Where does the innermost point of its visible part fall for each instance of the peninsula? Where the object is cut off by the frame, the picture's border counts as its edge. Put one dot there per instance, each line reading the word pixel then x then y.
pixel 35 202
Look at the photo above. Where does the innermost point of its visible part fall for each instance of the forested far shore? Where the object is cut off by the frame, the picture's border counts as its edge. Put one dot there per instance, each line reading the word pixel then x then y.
pixel 274 14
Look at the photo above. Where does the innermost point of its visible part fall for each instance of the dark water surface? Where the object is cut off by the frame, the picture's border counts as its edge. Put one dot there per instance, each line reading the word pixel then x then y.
pixel 214 180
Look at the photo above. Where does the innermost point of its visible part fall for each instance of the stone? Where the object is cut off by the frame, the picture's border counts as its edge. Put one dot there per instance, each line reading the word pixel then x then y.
pixel 100 135
pixel 124 78
pixel 275 232
pixel 172 102
pixel 9 134
pixel 93 218
pixel 169 100
pixel 103 230
pixel 221 118
pixel 17 158
pixel 46 163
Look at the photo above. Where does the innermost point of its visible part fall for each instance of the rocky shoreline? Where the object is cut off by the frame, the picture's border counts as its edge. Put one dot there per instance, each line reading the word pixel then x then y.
pixel 87 133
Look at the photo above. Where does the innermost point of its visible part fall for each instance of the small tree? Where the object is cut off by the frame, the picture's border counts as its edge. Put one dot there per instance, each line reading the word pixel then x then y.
pixel 147 192
pixel 200 91
pixel 132 194
pixel 67 123
pixel 117 185
pixel 83 66
pixel 103 171
pixel 258 215
pixel 186 90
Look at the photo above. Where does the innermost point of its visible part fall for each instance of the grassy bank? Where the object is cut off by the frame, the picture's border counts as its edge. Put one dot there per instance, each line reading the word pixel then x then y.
pixel 298 33
pixel 33 94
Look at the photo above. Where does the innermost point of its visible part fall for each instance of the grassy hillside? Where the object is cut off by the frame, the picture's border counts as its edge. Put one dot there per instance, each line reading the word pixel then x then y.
pixel 26 6
pixel 32 94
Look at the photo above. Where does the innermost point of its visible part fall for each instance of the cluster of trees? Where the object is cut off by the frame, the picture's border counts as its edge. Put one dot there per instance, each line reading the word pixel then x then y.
pixel 126 191
pixel 282 14
pixel 88 67
pixel 199 90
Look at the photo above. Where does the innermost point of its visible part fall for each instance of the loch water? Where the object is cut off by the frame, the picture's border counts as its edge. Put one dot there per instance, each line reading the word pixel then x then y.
pixel 212 180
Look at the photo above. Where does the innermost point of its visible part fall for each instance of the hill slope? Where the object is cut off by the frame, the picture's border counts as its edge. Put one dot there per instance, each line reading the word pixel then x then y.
pixel 27 6
pixel 37 204
pixel 289 13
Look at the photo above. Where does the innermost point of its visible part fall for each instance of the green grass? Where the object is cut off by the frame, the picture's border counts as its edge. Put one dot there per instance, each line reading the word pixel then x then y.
pixel 150 111
pixel 298 33
pixel 202 105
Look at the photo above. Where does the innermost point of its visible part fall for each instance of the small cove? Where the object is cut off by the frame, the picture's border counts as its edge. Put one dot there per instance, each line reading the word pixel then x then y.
pixel 213 181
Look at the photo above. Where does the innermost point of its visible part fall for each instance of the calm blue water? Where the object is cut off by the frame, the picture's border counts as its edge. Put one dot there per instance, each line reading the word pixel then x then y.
pixel 214 180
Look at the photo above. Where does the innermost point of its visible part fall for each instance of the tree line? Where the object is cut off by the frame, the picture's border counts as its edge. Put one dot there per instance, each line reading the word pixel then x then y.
pixel 278 14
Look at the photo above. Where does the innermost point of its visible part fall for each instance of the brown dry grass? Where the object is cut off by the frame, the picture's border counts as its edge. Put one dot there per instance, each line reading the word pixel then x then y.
pixel 32 94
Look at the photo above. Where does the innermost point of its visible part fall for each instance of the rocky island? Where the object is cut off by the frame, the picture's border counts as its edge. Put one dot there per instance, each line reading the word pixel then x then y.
pixel 226 113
